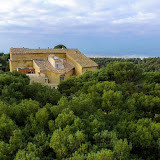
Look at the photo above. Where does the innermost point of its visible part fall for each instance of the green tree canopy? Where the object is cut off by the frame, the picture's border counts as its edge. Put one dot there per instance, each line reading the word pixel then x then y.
pixel 60 46
pixel 111 113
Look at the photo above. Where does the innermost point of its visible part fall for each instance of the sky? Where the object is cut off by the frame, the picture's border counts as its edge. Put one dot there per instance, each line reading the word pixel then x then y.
pixel 128 28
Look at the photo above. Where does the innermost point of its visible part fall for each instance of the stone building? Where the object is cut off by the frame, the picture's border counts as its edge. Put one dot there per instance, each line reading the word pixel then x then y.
pixel 50 66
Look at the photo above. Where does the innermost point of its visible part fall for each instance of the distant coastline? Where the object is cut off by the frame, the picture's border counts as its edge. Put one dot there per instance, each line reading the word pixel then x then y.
pixel 124 57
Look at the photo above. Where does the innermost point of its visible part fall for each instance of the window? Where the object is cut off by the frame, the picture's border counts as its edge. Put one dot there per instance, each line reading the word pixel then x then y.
pixel 61 78
pixel 30 72
pixel 56 65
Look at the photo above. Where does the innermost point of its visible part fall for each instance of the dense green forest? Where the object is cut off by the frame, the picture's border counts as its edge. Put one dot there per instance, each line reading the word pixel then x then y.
pixel 108 114
pixel 147 64
pixel 4 66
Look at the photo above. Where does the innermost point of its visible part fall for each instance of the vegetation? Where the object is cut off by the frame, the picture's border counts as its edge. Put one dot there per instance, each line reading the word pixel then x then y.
pixel 4 66
pixel 60 46
pixel 109 114
pixel 147 64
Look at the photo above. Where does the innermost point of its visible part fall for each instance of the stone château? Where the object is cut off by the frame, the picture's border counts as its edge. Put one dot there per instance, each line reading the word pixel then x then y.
pixel 50 66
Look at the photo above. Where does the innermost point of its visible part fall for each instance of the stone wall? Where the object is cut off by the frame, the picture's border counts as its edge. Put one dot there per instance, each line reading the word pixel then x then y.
pixel 40 78
pixel 53 77
pixel 69 74
pixel 34 56
pixel 26 60
pixel 37 70
pixel 20 64
pixel 89 69
pixel 78 68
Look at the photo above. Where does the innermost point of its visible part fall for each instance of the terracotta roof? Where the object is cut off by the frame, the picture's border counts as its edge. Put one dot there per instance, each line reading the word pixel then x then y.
pixel 79 57
pixel 45 65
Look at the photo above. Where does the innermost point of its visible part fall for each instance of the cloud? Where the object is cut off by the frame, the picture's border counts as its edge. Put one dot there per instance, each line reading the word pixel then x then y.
pixel 63 3
pixel 73 16
pixel 139 18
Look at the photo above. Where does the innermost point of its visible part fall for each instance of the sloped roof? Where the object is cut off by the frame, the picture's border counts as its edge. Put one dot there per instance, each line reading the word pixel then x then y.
pixel 57 59
pixel 75 54
pixel 80 58
pixel 45 65
pixel 19 51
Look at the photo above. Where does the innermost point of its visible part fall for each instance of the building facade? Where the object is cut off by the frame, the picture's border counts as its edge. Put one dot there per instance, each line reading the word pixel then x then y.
pixel 50 66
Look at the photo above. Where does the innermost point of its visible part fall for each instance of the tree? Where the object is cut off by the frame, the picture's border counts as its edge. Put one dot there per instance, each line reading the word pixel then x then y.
pixel 7 126
pixel 112 113
pixel 42 93
pixel 60 46
pixel 65 142
pixel 124 71
pixel 69 86
pixel 112 100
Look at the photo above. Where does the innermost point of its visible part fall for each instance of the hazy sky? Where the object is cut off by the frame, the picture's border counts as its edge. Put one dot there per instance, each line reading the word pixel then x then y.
pixel 95 27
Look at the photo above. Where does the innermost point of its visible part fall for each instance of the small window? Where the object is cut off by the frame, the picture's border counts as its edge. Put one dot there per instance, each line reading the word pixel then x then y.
pixel 30 72
pixel 61 78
